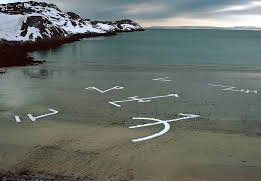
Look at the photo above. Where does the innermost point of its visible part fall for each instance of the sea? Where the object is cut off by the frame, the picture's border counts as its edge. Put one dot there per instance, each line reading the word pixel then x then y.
pixel 215 73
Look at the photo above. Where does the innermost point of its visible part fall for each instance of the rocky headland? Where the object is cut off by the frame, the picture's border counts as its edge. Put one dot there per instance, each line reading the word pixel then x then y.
pixel 30 26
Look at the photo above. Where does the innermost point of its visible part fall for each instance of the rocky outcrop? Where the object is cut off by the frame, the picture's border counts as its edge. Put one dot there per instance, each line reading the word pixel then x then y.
pixel 19 58
pixel 41 23
pixel 30 26
pixel 35 21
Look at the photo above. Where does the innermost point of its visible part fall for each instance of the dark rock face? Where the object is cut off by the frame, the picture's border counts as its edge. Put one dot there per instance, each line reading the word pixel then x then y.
pixel 103 22
pixel 120 24
pixel 126 21
pixel 73 16
pixel 23 8
pixel 41 23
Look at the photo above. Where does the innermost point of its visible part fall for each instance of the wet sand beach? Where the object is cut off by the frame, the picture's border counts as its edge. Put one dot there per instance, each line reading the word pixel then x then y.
pixel 90 139
pixel 106 153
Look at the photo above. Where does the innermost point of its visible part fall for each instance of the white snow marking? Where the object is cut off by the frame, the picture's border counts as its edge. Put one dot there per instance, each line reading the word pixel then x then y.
pixel 141 100
pixel 165 123
pixel 17 119
pixel 101 91
pixel 53 112
pixel 163 79
pixel 234 89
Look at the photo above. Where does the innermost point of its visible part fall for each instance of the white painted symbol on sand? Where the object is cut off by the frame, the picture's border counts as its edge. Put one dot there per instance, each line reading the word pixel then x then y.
pixel 165 123
pixel 141 100
pixel 53 112
pixel 164 79
pixel 17 119
pixel 101 91
pixel 234 89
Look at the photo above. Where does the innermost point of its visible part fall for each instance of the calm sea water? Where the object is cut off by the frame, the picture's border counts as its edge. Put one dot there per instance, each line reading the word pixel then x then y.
pixel 192 59
pixel 165 47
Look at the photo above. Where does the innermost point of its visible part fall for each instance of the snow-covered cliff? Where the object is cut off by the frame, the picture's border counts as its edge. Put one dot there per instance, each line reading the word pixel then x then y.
pixel 33 21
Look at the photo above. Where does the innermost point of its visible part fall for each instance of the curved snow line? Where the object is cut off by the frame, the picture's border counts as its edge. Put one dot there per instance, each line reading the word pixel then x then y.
pixel 165 130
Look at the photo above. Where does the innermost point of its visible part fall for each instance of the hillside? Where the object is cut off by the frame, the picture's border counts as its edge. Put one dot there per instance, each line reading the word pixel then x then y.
pixel 33 21
pixel 30 26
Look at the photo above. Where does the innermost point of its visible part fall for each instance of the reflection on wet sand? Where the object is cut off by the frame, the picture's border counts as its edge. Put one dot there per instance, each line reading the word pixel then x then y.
pixel 2 71
pixel 37 73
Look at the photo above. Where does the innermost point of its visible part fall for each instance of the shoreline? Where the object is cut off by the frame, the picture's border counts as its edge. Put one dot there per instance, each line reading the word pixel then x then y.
pixel 21 57
pixel 40 28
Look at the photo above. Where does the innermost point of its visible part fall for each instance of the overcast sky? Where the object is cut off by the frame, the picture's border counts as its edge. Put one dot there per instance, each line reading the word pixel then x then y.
pixel 168 12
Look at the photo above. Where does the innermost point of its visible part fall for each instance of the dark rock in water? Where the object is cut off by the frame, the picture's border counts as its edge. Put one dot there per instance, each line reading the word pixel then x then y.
pixel 19 58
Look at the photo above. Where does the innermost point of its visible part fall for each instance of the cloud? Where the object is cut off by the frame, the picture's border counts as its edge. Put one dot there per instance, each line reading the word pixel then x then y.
pixel 247 6
pixel 186 21
pixel 143 8
pixel 175 12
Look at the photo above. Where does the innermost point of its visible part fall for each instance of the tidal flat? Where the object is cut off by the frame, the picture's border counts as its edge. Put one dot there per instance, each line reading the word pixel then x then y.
pixel 90 139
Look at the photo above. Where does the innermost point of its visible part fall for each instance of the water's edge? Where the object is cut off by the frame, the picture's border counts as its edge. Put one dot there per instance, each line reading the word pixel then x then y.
pixel 22 58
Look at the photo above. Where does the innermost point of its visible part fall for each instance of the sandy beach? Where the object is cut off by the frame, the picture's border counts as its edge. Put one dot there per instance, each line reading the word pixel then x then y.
pixel 89 138
pixel 106 153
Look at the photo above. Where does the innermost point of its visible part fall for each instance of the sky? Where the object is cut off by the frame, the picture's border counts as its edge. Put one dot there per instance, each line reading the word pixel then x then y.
pixel 221 13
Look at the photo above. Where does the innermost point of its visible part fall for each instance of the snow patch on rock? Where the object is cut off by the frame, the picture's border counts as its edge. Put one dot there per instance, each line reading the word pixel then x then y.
pixel 32 21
